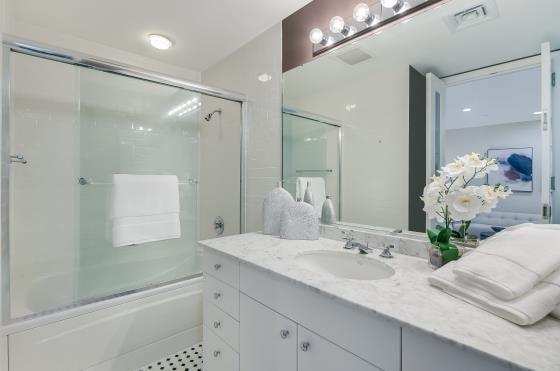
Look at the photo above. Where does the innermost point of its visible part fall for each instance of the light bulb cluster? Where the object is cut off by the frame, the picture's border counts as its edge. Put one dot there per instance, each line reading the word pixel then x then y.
pixel 362 15
pixel 184 108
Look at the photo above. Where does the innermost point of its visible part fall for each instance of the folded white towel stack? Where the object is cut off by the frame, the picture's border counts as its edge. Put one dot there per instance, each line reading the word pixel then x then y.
pixel 524 310
pixel 317 188
pixel 513 262
pixel 514 275
pixel 145 208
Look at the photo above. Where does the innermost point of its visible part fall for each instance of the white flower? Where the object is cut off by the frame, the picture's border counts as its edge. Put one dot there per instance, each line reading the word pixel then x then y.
pixel 488 196
pixel 464 203
pixel 433 200
pixel 454 170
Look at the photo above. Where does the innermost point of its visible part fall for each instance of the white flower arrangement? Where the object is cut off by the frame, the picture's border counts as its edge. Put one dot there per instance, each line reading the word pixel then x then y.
pixel 450 197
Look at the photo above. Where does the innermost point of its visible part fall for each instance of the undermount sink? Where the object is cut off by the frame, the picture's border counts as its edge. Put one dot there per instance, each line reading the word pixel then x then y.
pixel 345 265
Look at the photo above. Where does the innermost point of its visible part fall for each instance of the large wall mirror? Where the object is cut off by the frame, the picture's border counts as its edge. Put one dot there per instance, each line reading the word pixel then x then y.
pixel 375 118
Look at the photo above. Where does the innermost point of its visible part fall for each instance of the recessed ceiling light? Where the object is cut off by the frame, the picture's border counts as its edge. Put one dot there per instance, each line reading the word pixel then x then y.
pixel 159 41
pixel 537 113
pixel 467 109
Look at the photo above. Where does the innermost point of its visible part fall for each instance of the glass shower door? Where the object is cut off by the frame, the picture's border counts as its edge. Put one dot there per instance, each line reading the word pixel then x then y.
pixel 71 130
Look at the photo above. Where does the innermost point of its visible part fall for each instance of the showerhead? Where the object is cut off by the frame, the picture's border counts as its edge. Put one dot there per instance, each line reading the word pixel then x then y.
pixel 208 117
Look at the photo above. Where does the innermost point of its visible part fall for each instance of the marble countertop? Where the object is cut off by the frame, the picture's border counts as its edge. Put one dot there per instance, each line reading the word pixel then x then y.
pixel 407 298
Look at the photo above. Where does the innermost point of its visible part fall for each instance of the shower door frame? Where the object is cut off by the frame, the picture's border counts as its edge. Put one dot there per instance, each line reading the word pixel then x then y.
pixel 326 121
pixel 17 45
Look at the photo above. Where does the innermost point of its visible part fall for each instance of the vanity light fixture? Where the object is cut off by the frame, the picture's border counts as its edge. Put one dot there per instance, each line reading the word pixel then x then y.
pixel 265 77
pixel 316 36
pixel 398 6
pixel 467 109
pixel 337 25
pixel 362 13
pixel 159 41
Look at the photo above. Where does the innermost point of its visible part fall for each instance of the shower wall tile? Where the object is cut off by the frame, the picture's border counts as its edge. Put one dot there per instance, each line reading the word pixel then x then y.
pixel 240 72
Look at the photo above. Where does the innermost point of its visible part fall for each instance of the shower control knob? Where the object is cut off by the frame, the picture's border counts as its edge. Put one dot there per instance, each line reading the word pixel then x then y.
pixel 305 346
pixel 217 353
pixel 217 295
pixel 217 266
pixel 284 333
pixel 217 324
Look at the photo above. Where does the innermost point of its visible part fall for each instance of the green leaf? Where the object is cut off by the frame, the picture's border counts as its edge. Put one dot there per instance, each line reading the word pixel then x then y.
pixel 455 234
pixel 439 227
pixel 432 235
pixel 451 254
pixel 444 235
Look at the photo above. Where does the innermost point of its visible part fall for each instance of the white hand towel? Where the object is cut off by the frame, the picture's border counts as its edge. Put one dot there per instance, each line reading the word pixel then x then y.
pixel 514 261
pixel 145 208
pixel 317 189
pixel 524 310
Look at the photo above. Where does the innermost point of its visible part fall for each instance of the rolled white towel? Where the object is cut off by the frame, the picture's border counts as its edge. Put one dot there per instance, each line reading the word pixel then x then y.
pixel 514 261
pixel 524 310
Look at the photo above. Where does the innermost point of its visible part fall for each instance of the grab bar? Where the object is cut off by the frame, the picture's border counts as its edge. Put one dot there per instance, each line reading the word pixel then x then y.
pixel 87 181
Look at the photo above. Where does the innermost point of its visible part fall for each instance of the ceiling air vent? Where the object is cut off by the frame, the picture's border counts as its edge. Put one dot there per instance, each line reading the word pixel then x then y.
pixel 471 17
pixel 354 56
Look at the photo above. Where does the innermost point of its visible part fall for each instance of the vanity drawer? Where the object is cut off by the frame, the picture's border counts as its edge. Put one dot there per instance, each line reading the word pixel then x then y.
pixel 222 324
pixel 222 267
pixel 218 356
pixel 221 295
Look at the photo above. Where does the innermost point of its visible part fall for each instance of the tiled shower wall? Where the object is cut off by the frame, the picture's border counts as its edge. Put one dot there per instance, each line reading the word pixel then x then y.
pixel 240 72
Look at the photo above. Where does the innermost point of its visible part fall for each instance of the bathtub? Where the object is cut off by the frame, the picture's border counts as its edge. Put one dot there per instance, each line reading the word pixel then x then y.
pixel 117 334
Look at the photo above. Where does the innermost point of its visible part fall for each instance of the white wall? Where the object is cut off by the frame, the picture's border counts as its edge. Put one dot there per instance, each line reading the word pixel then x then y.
pixel 515 135
pixel 375 143
pixel 240 72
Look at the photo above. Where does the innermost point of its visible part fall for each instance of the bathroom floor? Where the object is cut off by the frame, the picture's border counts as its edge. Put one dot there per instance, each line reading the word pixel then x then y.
pixel 189 359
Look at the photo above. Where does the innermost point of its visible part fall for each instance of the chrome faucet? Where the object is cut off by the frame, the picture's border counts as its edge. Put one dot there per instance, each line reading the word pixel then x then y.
pixel 351 244
pixel 386 253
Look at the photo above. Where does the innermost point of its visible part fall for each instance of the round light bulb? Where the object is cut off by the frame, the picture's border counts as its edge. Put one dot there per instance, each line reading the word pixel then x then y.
pixel 361 12
pixel 336 25
pixel 389 3
pixel 404 8
pixel 316 36
pixel 159 41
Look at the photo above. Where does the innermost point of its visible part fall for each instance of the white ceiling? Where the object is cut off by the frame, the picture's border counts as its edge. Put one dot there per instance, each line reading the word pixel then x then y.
pixel 428 44
pixel 502 99
pixel 204 31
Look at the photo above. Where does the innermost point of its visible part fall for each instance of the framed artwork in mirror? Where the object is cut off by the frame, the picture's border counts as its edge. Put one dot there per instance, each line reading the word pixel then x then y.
pixel 515 168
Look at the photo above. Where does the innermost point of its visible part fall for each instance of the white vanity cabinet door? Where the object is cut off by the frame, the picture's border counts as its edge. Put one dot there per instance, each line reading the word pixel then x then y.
pixel 424 352
pixel 318 354
pixel 268 340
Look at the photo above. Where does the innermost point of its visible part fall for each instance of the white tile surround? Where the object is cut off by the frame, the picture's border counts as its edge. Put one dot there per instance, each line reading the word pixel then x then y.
pixel 239 72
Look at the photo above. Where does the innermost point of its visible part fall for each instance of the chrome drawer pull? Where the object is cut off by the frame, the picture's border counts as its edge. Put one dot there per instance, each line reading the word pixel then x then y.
pixel 284 333
pixel 217 353
pixel 217 266
pixel 217 324
pixel 217 295
pixel 305 346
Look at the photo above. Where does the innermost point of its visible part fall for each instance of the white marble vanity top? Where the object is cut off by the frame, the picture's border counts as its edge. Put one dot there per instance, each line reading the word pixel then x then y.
pixel 405 297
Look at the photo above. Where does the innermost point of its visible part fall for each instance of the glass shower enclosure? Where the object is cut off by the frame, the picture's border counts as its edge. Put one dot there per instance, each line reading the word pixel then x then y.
pixel 70 128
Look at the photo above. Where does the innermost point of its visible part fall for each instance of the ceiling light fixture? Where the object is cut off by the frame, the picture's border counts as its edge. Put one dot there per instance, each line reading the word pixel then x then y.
pixel 537 113
pixel 337 25
pixel 362 13
pixel 159 41
pixel 398 6
pixel 467 109
pixel 265 77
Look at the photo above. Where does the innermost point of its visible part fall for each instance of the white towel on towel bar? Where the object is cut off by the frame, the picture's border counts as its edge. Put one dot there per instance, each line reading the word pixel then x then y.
pixel 317 189
pixel 511 263
pixel 145 208
pixel 524 310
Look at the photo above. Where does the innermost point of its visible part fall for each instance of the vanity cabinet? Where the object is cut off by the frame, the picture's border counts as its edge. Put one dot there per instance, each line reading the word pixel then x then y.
pixel 268 340
pixel 256 320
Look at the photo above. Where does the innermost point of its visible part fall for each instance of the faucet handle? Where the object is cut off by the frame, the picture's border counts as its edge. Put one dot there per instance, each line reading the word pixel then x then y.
pixel 386 253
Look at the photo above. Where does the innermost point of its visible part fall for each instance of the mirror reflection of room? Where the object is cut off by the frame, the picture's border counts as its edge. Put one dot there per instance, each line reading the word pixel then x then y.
pixel 442 84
